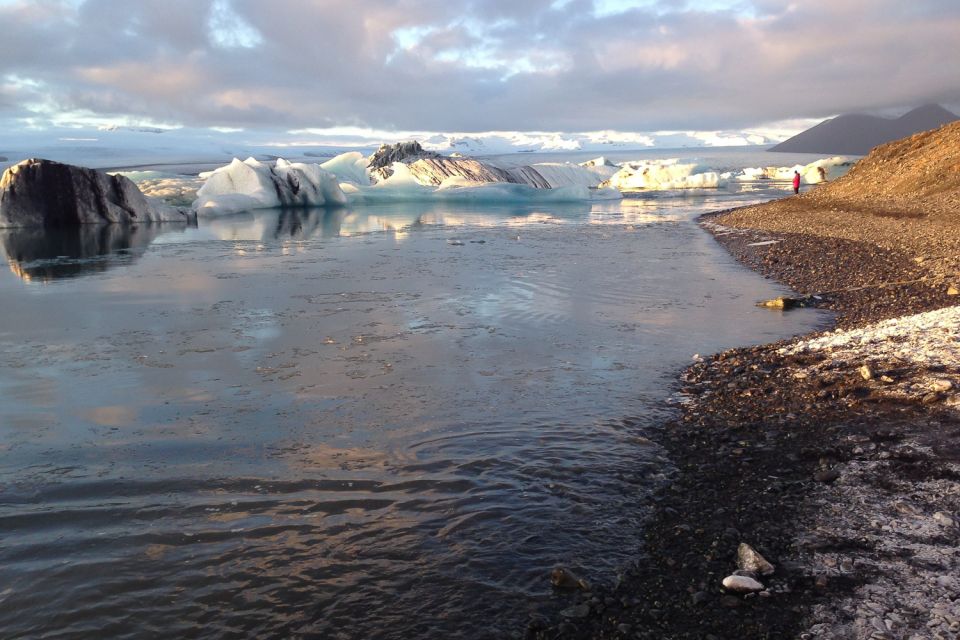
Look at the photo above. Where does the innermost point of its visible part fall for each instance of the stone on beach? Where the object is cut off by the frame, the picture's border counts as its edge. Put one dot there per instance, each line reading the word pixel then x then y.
pixel 563 578
pixel 742 584
pixel 781 303
pixel 748 559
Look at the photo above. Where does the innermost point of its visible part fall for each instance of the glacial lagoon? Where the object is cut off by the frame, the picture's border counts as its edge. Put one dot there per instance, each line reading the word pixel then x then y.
pixel 387 422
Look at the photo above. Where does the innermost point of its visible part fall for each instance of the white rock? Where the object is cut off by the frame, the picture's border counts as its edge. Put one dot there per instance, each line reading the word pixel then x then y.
pixel 748 559
pixel 944 519
pixel 741 584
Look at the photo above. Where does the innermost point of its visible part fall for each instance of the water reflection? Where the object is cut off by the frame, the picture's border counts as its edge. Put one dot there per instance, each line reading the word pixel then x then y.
pixel 48 254
pixel 36 254
pixel 360 438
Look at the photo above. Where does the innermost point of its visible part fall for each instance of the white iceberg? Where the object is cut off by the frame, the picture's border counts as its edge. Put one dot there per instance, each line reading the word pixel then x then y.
pixel 816 172
pixel 403 186
pixel 663 175
pixel 567 174
pixel 251 184
pixel 349 167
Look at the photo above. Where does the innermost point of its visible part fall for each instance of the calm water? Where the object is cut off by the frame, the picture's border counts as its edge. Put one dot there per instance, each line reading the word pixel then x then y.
pixel 380 423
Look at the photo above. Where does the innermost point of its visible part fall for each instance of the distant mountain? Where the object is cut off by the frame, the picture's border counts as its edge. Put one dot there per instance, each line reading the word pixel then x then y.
pixel 857 134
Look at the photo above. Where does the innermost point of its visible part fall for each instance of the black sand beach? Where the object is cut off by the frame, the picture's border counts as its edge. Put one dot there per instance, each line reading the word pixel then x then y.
pixel 850 493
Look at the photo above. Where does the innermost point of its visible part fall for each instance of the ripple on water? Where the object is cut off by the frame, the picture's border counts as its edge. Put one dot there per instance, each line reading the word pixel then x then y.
pixel 384 437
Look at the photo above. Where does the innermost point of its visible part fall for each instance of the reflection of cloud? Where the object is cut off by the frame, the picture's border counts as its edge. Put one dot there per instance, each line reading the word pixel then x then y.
pixel 326 456
pixel 112 416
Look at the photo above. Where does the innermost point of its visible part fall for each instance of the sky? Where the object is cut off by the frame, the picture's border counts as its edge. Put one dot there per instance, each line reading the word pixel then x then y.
pixel 386 69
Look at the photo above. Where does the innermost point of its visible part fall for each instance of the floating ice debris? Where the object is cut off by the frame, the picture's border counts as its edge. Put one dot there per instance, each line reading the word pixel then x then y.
pixel 814 173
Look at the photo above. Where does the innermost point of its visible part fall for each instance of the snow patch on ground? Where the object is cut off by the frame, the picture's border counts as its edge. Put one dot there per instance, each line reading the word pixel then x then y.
pixel 924 339
pixel 910 358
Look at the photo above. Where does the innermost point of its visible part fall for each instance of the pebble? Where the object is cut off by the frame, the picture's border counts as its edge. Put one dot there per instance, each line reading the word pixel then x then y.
pixel 944 519
pixel 941 386
pixel 826 476
pixel 579 611
pixel 748 559
pixel 741 584
pixel 730 602
pixel 563 578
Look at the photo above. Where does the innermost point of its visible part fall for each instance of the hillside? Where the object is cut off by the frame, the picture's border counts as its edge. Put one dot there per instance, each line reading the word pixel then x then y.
pixel 857 134
pixel 903 198
pixel 920 174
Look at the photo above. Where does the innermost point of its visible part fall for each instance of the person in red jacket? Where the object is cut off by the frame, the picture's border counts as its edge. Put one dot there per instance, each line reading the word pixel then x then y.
pixel 796 182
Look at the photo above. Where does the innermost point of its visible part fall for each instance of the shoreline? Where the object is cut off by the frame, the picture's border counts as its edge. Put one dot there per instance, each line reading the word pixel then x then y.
pixel 849 490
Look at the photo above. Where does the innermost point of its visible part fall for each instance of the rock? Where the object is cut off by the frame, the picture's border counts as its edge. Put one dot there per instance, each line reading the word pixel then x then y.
pixel 433 171
pixel 730 602
pixel 826 476
pixel 43 193
pixel 562 578
pixel 741 584
pixel 941 386
pixel 952 290
pixel 749 560
pixel 700 597
pixel 931 398
pixel 781 303
pixel 579 611
pixel 866 372
pixel 944 519
pixel 387 154
pixel 624 628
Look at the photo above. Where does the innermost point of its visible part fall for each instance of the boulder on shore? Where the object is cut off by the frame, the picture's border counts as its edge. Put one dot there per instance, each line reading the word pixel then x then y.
pixel 43 193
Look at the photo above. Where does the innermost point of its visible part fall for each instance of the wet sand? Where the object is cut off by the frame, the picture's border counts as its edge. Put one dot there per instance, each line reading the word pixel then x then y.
pixel 850 491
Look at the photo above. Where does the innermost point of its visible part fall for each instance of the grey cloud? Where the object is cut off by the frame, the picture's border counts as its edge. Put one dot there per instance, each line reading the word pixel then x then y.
pixel 336 62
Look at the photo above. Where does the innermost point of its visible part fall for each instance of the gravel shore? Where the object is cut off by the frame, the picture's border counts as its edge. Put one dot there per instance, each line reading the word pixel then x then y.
pixel 842 470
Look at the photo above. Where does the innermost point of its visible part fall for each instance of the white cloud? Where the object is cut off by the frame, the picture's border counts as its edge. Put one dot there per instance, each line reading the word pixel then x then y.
pixel 473 65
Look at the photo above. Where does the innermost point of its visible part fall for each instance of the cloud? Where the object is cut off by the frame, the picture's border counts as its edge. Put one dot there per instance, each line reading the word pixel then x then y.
pixel 474 65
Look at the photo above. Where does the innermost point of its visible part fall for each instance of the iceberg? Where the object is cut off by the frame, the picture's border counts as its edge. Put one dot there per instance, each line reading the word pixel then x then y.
pixel 662 175
pixel 566 174
pixel 814 173
pixel 349 167
pixel 402 185
pixel 251 184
